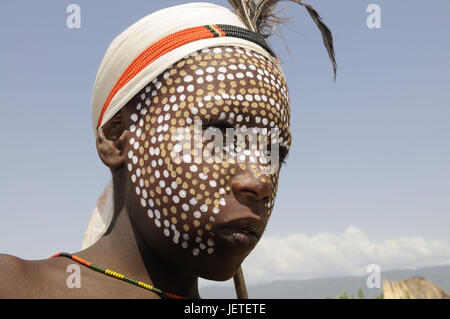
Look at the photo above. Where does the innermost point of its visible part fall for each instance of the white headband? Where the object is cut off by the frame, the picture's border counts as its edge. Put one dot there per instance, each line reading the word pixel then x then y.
pixel 146 32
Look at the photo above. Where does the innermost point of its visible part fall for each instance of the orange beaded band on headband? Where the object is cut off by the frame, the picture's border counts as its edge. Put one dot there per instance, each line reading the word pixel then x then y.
pixel 174 41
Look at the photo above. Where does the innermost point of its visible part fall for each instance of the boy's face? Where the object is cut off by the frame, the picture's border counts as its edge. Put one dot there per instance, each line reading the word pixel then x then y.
pixel 191 207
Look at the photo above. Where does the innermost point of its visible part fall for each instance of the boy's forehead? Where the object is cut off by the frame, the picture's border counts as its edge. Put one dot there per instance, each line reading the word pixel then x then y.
pixel 225 82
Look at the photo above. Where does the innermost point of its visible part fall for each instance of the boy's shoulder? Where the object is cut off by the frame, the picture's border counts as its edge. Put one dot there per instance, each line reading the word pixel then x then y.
pixel 21 278
pixel 60 278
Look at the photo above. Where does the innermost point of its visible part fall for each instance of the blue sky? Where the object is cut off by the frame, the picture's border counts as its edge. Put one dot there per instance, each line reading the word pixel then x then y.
pixel 370 151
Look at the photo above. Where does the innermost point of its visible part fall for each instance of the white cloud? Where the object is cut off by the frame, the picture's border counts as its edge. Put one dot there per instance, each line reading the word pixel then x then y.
pixel 298 256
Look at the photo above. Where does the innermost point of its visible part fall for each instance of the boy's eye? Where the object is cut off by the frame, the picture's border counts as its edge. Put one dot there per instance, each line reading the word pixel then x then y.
pixel 222 125
pixel 283 154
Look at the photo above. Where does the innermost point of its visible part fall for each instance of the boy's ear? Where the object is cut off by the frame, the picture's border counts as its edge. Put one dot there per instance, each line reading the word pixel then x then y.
pixel 111 141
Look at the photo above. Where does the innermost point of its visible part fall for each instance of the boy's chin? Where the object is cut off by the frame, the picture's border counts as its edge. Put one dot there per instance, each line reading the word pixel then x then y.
pixel 222 276
pixel 218 270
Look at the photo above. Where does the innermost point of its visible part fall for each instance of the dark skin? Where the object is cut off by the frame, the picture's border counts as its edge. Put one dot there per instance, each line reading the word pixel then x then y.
pixel 121 249
pixel 131 245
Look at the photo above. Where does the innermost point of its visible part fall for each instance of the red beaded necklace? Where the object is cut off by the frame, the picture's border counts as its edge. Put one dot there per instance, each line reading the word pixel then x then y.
pixel 119 276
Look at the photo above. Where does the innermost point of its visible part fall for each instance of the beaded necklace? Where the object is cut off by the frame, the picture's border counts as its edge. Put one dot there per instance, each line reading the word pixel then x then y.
pixel 119 276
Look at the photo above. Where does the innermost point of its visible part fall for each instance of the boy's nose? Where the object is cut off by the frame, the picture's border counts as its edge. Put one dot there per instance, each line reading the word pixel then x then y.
pixel 248 184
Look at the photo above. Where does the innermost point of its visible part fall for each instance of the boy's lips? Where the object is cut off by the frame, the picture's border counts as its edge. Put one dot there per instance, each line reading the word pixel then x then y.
pixel 242 232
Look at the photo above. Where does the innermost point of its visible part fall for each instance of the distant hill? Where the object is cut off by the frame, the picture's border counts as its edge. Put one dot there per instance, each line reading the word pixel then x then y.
pixel 328 287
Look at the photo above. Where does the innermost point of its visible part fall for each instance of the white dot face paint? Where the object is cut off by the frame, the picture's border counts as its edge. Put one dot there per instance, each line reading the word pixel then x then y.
pixel 185 200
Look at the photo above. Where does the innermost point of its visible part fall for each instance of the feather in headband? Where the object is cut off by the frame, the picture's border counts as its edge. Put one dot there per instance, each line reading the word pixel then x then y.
pixel 261 17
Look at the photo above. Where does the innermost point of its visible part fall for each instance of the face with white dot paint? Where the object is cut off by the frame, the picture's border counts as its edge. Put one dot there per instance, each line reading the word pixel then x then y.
pixel 180 207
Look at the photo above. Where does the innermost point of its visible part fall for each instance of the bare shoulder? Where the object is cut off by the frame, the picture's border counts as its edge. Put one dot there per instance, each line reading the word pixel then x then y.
pixel 21 278
pixel 52 278
pixel 12 271
pixel 9 265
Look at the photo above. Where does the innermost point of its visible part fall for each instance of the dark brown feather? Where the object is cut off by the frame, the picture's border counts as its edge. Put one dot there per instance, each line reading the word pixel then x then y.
pixel 261 16
pixel 243 9
pixel 264 16
pixel 327 36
